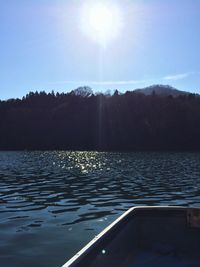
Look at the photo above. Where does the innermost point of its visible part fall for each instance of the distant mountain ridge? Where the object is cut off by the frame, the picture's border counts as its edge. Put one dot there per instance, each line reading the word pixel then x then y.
pixel 162 90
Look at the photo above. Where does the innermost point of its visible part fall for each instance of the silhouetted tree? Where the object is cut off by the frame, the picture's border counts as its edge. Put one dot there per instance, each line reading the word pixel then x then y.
pixel 82 120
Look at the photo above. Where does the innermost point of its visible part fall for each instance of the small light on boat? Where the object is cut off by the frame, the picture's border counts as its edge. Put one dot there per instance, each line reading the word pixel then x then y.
pixel 103 251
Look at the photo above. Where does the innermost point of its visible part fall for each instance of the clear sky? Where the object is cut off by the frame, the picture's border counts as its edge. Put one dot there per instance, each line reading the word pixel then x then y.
pixel 45 46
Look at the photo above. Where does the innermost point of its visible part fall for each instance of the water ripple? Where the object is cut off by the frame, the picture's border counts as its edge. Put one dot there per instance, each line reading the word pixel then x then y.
pixel 43 192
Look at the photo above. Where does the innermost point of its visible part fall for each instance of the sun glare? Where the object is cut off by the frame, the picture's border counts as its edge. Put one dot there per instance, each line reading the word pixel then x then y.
pixel 101 21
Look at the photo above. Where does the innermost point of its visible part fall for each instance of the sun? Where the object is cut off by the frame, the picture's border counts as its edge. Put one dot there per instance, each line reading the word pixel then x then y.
pixel 101 20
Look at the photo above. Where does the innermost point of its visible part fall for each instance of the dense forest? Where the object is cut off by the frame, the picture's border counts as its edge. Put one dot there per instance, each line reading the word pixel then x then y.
pixel 81 120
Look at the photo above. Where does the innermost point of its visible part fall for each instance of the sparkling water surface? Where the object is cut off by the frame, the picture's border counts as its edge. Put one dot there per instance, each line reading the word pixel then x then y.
pixel 53 203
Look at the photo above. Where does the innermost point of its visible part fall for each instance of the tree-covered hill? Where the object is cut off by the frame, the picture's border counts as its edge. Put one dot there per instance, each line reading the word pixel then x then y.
pixel 84 121
pixel 162 90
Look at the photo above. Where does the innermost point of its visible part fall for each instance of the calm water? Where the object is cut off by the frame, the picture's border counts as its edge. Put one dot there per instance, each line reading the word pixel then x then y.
pixel 52 203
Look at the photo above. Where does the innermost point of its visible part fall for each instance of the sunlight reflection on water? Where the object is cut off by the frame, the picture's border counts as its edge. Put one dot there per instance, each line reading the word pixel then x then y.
pixel 52 203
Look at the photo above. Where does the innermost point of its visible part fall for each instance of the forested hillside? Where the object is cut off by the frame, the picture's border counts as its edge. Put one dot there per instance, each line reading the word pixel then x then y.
pixel 84 121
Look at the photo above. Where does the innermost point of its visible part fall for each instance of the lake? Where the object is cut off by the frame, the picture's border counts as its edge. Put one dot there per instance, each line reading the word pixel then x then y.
pixel 53 203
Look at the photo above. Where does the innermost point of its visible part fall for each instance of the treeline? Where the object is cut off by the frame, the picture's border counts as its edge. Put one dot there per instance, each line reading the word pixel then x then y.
pixel 80 120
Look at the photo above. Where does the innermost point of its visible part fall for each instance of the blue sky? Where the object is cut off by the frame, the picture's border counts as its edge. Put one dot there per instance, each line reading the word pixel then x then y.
pixel 43 47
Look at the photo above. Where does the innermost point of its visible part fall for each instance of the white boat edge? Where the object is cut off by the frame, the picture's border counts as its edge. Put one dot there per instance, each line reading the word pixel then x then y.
pixel 109 227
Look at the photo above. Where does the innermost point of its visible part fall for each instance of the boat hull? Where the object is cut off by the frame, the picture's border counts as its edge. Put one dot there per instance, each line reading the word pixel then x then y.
pixel 146 236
